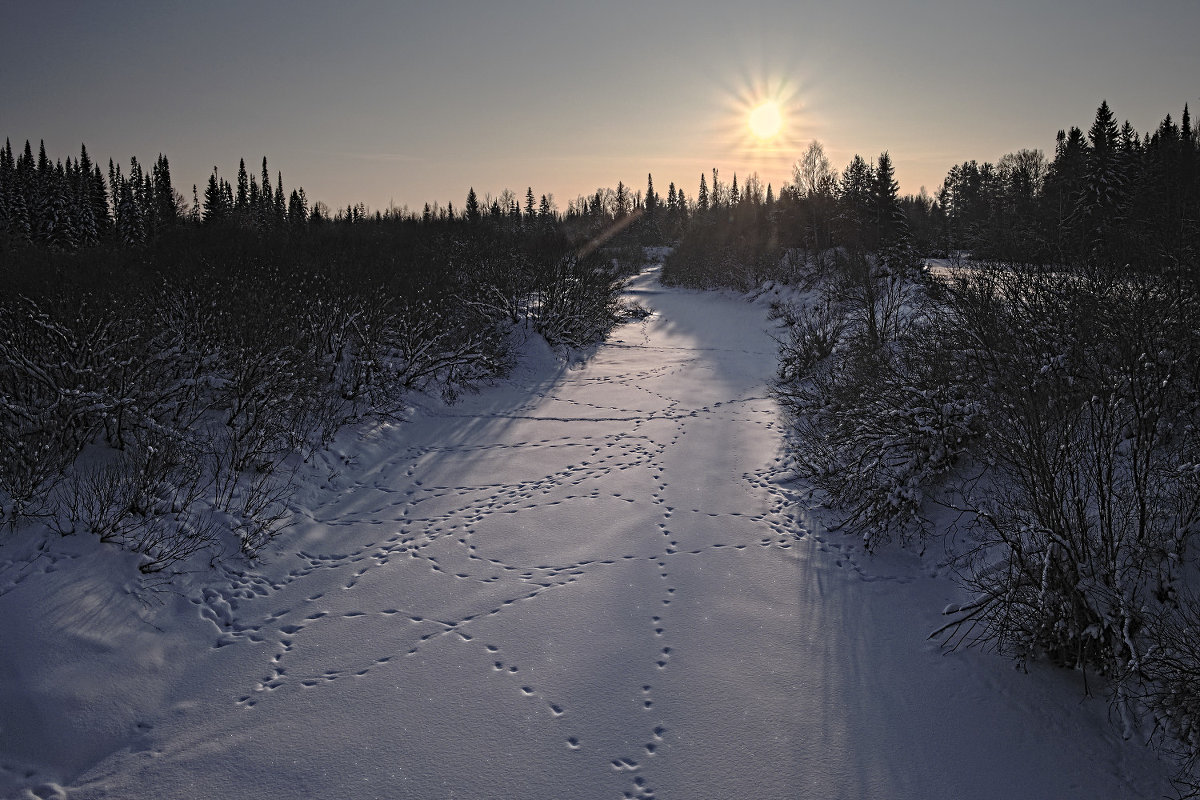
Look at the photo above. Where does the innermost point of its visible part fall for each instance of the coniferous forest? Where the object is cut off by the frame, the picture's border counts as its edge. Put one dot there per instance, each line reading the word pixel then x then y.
pixel 1008 370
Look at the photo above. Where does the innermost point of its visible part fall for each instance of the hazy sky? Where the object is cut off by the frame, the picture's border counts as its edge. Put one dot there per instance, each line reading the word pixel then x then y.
pixel 409 102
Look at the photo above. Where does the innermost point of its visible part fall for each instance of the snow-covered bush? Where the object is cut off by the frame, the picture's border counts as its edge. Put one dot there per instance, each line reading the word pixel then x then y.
pixel 51 405
pixel 875 420
pixel 1084 516
pixel 1167 683
pixel 811 332
pixel 576 305
pixel 1091 412
pixel 149 498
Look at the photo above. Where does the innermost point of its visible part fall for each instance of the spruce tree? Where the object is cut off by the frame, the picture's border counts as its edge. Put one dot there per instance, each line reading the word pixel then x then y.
pixel 130 231
pixel 621 201
pixel 280 205
pixel 166 210
pixel 471 210
pixel 702 195
pixel 215 210
pixel 99 195
pixel 885 203
pixel 250 213
pixel 1105 180
pixel 297 213
pixel 241 202
pixel 7 176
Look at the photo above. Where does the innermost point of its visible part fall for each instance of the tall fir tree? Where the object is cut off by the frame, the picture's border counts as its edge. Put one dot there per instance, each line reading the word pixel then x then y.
pixel 166 208
pixel 216 210
pixel 885 203
pixel 471 209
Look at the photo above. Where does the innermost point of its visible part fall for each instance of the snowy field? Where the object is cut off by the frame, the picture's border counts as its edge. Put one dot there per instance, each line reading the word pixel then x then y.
pixel 589 581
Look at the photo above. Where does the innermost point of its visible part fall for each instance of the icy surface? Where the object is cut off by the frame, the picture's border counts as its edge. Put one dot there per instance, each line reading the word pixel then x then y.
pixel 587 582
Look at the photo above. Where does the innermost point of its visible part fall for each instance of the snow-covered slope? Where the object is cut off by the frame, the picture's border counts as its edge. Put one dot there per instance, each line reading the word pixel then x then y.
pixel 587 582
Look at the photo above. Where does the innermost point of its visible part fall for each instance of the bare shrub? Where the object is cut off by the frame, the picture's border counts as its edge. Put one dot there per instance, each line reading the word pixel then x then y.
pixel 1083 518
pixel 875 418
pixel 146 499
pixel 812 333
pixel 578 305
pixel 50 407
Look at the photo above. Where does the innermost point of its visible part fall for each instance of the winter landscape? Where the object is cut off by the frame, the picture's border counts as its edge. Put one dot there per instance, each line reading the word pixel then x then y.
pixel 757 475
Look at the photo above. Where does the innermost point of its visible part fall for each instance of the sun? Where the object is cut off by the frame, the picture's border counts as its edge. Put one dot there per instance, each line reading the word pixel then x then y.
pixel 766 120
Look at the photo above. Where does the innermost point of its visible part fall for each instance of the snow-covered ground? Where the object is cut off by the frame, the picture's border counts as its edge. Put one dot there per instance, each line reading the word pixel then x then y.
pixel 589 581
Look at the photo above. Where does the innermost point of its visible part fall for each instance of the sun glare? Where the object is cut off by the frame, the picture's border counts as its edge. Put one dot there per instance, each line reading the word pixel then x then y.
pixel 763 128
pixel 766 120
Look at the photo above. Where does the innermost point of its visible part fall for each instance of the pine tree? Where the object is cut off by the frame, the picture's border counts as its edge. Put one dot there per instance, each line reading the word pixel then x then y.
pixel 241 202
pixel 92 192
pixel 83 222
pixel 472 207
pixel 297 212
pixel 854 200
pixel 733 192
pixel 1104 181
pixel 61 232
pixel 216 212
pixel 264 210
pixel 166 209
pixel 100 209
pixel 702 195
pixel 529 203
pixel 42 216
pixel 130 230
pixel 621 201
pixel 280 206
pixel 885 203
pixel 8 171
pixel 250 214
pixel 21 212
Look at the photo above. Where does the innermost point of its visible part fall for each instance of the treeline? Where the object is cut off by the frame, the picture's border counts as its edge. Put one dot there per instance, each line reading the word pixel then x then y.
pixel 162 378
pixel 1109 194
pixel 1043 395
pixel 72 206
pixel 741 237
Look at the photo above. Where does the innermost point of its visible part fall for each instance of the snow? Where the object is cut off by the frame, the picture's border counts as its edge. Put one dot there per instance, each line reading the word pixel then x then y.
pixel 592 580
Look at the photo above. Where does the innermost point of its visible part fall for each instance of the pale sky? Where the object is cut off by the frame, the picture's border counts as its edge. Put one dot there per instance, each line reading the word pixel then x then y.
pixel 414 102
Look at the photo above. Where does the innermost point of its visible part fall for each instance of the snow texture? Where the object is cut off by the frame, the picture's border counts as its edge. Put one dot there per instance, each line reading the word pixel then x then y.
pixel 590 581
